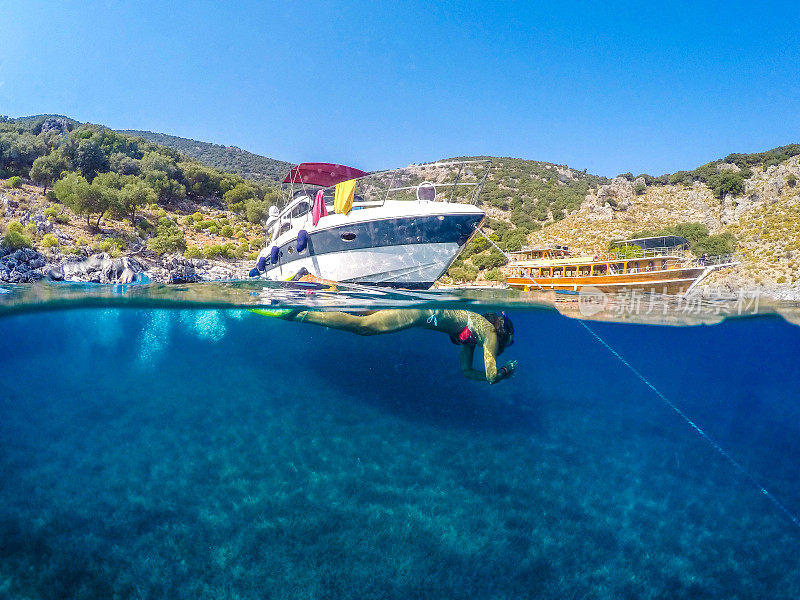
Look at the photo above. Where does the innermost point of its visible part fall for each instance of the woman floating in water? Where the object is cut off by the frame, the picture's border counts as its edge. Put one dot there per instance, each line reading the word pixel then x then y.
pixel 467 329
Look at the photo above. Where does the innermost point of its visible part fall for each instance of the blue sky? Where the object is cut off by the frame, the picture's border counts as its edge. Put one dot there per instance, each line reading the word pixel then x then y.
pixel 609 87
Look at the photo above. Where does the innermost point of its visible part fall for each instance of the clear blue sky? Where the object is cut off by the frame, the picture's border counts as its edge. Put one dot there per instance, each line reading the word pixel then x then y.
pixel 604 86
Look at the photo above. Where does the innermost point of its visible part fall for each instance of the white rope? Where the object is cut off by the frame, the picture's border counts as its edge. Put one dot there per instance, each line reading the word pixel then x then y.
pixel 491 241
pixel 778 504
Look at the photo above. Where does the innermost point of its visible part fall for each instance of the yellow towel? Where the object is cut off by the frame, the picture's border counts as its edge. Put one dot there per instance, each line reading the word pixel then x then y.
pixel 343 196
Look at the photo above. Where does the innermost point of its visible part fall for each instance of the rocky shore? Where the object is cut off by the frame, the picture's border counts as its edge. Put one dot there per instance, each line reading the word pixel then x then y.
pixel 27 265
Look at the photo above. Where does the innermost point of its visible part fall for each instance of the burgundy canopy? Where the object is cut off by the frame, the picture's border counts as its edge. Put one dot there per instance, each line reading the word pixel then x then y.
pixel 324 174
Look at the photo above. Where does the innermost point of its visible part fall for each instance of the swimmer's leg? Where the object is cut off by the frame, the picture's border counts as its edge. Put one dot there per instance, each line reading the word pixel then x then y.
pixel 380 321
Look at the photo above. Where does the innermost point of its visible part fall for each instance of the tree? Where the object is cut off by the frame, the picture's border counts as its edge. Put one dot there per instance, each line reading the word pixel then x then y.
pixel 124 164
pixel 727 182
pixel 17 153
pixel 236 198
pixel 90 159
pixel 255 210
pixel 202 181
pixel 165 188
pixel 694 232
pixel 84 198
pixel 132 196
pixel 155 161
pixel 715 245
pixel 46 170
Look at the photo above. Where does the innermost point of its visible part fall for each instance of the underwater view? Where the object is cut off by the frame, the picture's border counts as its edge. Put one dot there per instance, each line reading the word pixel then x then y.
pixel 168 443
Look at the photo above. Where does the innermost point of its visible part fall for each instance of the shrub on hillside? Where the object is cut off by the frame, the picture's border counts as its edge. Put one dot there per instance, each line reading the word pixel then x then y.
pixel 220 251
pixel 16 240
pixel 193 252
pixel 728 182
pixel 494 275
pixel 489 261
pixel 169 237
pixel 143 227
pixel 713 245
pixel 112 245
pixel 15 226
pixel 49 241
pixel 15 182
pixel 463 273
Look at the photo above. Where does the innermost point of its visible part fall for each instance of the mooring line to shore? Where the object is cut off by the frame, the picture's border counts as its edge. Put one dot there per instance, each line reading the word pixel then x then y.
pixel 777 503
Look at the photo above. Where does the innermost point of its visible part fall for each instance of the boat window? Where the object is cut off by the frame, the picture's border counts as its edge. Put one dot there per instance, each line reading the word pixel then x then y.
pixel 284 228
pixel 299 210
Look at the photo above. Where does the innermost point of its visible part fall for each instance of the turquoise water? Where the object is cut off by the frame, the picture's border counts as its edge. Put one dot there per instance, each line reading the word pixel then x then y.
pixel 207 453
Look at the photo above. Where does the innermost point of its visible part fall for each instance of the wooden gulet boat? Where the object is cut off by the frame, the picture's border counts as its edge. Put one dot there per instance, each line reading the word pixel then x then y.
pixel 659 265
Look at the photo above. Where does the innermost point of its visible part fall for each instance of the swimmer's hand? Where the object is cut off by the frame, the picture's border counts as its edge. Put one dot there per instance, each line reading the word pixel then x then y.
pixel 507 370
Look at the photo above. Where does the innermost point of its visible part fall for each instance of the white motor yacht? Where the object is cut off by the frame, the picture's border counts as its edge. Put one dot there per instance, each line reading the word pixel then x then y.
pixel 400 228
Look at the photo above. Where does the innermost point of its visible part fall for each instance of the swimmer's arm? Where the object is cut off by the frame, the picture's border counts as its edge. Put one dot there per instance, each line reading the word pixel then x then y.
pixel 465 359
pixel 491 372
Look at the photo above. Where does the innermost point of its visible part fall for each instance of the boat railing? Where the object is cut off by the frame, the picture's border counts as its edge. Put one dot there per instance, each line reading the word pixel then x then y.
pixel 643 253
pixel 448 181
pixel 673 252
pixel 719 260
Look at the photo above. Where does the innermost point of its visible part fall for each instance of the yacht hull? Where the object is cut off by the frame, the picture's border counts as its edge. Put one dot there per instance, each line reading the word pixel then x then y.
pixel 379 246
pixel 413 266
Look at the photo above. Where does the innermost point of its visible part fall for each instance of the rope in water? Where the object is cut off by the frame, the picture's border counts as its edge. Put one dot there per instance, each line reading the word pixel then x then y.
pixel 777 503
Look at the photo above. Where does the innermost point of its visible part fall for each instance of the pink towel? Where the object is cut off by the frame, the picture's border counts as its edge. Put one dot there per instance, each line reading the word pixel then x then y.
pixel 319 209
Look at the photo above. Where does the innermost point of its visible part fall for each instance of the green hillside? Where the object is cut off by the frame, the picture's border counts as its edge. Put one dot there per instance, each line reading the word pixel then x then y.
pixel 225 158
pixel 145 192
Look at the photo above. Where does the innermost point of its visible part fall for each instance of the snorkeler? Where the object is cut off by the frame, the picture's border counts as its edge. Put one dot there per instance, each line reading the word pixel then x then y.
pixel 467 329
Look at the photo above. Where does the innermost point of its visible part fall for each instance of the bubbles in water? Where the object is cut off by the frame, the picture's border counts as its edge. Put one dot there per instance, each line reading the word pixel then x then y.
pixel 154 337
pixel 209 325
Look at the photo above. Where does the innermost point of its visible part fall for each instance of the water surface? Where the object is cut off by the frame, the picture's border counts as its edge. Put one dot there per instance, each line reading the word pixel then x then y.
pixel 192 452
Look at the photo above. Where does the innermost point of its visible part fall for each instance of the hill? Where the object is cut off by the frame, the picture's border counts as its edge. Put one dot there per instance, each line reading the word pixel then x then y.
pixel 749 203
pixel 72 190
pixel 757 209
pixel 225 158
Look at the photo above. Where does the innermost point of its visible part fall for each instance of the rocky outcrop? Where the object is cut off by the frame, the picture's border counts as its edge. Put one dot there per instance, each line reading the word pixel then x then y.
pixel 177 269
pixel 181 270
pixel 21 266
pixel 98 268
pixel 55 125
pixel 609 199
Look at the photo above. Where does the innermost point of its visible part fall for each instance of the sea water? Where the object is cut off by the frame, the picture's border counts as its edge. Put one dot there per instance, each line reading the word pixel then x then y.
pixel 158 448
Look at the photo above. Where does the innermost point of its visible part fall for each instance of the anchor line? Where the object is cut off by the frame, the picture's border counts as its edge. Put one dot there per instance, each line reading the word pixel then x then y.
pixel 744 472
